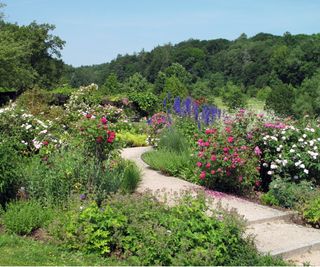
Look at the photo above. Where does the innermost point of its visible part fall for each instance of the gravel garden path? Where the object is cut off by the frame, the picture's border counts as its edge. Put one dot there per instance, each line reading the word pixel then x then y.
pixel 274 231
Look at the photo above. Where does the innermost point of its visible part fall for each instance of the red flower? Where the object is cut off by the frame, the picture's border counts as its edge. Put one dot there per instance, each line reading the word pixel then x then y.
pixel 230 139
pixel 213 172
pixel 208 165
pixel 258 183
pixel 111 136
pixel 88 116
pixel 207 144
pixel 213 158
pixel 104 120
pixel 99 139
pixel 199 164
pixel 226 150
pixel 45 143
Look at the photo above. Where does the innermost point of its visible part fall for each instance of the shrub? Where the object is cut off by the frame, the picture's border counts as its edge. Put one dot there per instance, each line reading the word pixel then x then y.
pixel 233 97
pixel 288 194
pixel 311 211
pixel 10 169
pixel 131 177
pixel 168 162
pixel 144 232
pixel 146 102
pixel 171 139
pixel 132 140
pixel 25 216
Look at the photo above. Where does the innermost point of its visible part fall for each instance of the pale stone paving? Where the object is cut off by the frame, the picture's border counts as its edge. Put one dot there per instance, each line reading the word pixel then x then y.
pixel 274 232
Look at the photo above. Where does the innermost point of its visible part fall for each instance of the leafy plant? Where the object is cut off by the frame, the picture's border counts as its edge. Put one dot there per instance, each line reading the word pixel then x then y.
pixel 23 217
pixel 311 211
pixel 288 194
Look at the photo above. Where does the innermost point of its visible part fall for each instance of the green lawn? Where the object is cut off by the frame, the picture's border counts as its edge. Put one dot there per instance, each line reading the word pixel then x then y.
pixel 24 251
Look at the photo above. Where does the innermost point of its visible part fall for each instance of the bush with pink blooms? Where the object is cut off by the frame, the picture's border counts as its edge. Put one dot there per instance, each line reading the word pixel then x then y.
pixel 226 162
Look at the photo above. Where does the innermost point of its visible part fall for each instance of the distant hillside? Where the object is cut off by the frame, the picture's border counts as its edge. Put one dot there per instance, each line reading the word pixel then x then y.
pixel 255 61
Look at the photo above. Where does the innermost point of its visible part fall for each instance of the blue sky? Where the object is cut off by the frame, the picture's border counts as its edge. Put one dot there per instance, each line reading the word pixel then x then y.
pixel 96 31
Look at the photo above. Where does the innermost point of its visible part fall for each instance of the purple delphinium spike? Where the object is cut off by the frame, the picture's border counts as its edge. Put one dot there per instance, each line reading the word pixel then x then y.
pixel 196 111
pixel 177 105
pixel 188 103
pixel 164 103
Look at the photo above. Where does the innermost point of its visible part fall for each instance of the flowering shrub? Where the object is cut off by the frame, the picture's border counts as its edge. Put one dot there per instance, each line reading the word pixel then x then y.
pixel 157 123
pixel 226 162
pixel 99 138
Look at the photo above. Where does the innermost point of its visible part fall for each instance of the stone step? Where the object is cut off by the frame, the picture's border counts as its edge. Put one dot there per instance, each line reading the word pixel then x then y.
pixel 283 238
pixel 311 257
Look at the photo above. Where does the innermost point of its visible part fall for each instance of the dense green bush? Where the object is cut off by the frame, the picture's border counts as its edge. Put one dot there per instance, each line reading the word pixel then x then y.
pixel 287 193
pixel 132 140
pixel 233 96
pixel 10 168
pixel 311 211
pixel 146 102
pixel 144 232
pixel 25 216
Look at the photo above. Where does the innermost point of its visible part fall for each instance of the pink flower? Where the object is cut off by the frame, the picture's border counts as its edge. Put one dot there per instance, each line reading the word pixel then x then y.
pixel 206 144
pixel 213 172
pixel 230 139
pixel 240 178
pixel 208 165
pixel 99 139
pixel 199 164
pixel 88 116
pixel 200 154
pixel 225 150
pixel 225 159
pixel 213 158
pixel 104 120
pixel 257 183
pixel 249 135
pixel 202 175
pixel 257 151
pixel 228 129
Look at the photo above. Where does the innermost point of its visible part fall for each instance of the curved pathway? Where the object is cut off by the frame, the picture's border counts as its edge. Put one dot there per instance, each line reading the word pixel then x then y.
pixel 273 230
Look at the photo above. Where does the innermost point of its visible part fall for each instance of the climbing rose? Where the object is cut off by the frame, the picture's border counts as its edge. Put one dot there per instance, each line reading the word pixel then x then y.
pixel 202 175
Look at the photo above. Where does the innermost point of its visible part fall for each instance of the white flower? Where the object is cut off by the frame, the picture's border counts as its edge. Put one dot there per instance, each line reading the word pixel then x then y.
pixel 305 171
pixel 302 166
pixel 270 172
pixel 273 166
pixel 300 140
pixel 311 143
pixel 284 162
pixel 294 146
pixel 265 164
pixel 43 132
pixel 278 149
pixel 291 150
pixel 283 138
pixel 298 163
pixel 296 177
pixel 304 135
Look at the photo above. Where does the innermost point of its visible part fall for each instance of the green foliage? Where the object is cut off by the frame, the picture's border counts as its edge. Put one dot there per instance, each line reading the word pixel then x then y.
pixel 91 230
pixel 147 102
pixel 10 168
pixel 281 91
pixel 288 194
pixel 174 87
pixel 264 93
pixel 146 232
pixel 137 83
pixel 23 217
pixel 233 97
pixel 169 162
pixel 35 59
pixel 111 85
pixel 131 177
pixel 171 139
pixel 311 211
pixel 25 251
pixel 131 139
